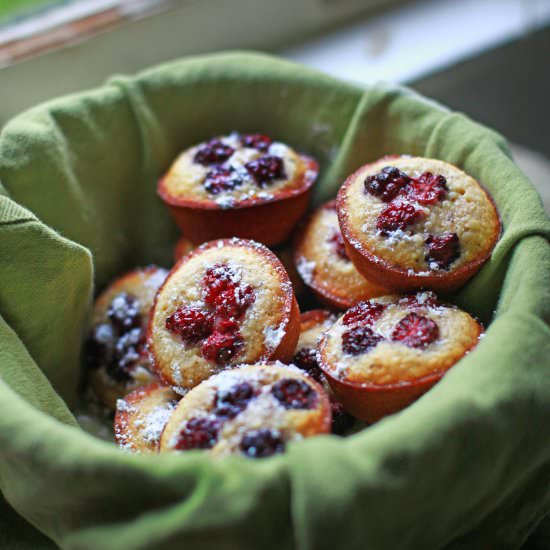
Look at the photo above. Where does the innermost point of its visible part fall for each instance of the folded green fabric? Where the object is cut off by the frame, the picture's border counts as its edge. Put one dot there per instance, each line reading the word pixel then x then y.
pixel 468 465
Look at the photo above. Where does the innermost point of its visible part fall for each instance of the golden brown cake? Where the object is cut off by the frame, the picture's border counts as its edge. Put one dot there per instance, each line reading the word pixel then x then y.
pixel 385 352
pixel 226 303
pixel 238 185
pixel 253 410
pixel 115 354
pixel 323 263
pixel 412 222
pixel 141 416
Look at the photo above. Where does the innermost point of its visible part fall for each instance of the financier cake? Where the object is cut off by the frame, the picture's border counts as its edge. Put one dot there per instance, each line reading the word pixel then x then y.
pixel 324 265
pixel 384 353
pixel 412 222
pixel 115 354
pixel 141 416
pixel 253 410
pixel 226 303
pixel 238 185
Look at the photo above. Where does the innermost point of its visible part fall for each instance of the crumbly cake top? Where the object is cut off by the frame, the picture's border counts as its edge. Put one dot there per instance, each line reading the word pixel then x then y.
pixel 394 339
pixel 418 214
pixel 141 417
pixel 253 410
pixel 228 303
pixel 322 261
pixel 230 169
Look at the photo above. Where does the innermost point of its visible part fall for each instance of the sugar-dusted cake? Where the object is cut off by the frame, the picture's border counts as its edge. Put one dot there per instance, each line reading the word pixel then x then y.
pixel 385 352
pixel 228 302
pixel 253 410
pixel 141 416
pixel 412 222
pixel 238 185
pixel 324 265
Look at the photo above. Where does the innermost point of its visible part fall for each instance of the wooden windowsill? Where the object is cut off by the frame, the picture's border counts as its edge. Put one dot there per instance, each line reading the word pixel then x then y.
pixel 69 24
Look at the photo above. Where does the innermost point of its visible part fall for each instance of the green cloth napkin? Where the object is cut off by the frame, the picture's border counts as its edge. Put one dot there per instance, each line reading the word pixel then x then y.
pixel 467 466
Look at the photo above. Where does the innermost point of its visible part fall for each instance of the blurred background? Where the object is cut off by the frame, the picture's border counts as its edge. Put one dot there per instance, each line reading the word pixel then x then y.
pixel 488 58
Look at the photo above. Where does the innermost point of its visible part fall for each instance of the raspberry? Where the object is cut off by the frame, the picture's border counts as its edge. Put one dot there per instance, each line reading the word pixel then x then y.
pixel 216 280
pixel 341 420
pixel 366 313
pixel 415 331
pixel 124 312
pixel 225 293
pixel 233 302
pixel 230 402
pixel 225 325
pixel 256 141
pixel 266 169
pixel 262 443
pixel 338 242
pixel 218 330
pixel 199 433
pixel 387 184
pixel 398 215
pixel 222 347
pixel 306 359
pixel 213 152
pixel 294 394
pixel 190 323
pixel 443 250
pixel 359 340
pixel 427 188
pixel 221 179
pixel 422 299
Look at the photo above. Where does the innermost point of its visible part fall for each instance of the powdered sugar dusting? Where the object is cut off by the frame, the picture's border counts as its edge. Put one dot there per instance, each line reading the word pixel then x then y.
pixel 154 422
pixel 278 149
pixel 228 168
pixel 156 279
pixel 306 269
pixel 225 201
pixel 273 336
pixel 123 406
pixel 264 409
pixel 180 390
